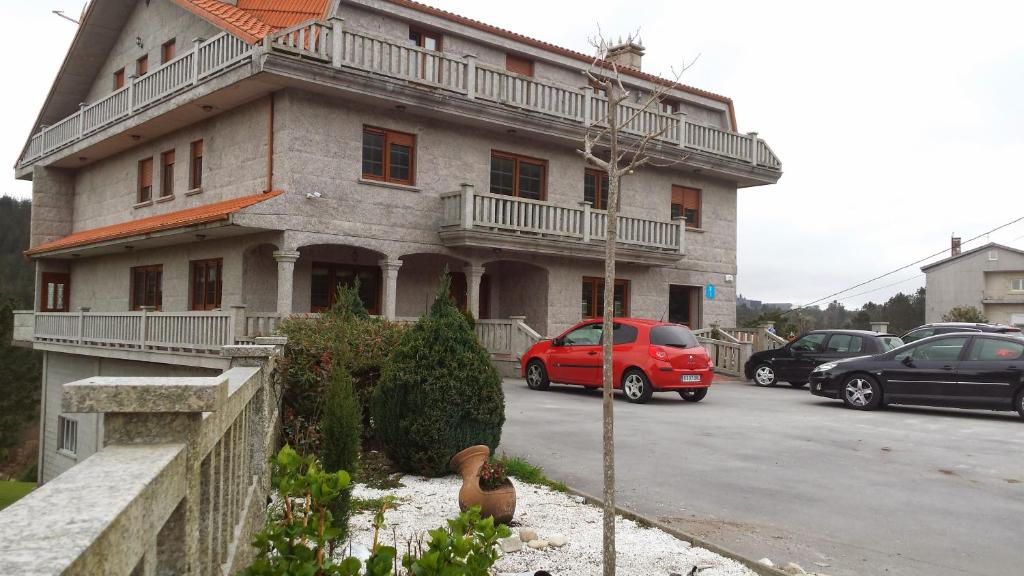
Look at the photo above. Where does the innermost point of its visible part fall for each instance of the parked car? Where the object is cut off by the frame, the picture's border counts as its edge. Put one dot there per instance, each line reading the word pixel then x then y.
pixel 950 327
pixel 794 362
pixel 961 370
pixel 648 356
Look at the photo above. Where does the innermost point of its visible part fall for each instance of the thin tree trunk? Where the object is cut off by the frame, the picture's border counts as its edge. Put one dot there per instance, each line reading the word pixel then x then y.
pixel 608 313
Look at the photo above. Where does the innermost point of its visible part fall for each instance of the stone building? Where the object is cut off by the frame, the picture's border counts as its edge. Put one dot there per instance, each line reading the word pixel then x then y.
pixel 202 169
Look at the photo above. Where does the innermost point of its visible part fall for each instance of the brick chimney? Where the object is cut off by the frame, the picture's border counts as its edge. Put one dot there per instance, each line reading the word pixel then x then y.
pixel 628 53
pixel 954 249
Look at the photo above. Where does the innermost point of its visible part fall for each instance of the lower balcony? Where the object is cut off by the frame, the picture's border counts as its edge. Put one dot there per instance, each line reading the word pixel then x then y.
pixel 482 220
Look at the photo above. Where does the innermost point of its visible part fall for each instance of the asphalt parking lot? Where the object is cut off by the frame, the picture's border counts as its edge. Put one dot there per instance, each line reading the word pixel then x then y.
pixel 779 473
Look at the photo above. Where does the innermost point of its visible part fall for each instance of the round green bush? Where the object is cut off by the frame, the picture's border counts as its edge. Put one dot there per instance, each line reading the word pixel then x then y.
pixel 438 392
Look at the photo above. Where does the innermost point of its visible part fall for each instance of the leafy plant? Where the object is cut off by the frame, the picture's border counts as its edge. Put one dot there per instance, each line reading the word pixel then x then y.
pixel 296 540
pixel 964 314
pixel 492 475
pixel 438 393
pixel 468 547
pixel 523 471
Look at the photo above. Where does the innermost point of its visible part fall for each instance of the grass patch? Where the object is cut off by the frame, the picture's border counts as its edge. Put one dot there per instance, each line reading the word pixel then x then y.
pixel 11 492
pixel 387 502
pixel 525 472
pixel 375 471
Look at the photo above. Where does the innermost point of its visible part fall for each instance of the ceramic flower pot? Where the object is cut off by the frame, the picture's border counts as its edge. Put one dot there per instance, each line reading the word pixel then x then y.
pixel 498 502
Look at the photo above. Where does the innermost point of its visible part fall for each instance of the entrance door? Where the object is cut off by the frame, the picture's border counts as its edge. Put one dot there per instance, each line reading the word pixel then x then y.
pixel 684 305
pixel 55 295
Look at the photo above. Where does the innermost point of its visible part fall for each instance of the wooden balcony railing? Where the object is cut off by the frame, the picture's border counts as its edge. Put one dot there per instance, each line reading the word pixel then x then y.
pixel 329 43
pixel 471 210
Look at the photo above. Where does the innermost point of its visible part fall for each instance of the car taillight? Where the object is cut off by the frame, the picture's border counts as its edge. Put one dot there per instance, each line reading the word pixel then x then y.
pixel 658 353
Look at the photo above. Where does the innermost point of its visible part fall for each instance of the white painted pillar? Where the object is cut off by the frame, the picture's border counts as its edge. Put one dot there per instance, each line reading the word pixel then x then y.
pixel 390 273
pixel 285 279
pixel 473 276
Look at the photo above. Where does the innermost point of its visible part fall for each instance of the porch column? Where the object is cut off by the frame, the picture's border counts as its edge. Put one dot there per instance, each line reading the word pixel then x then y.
pixel 390 273
pixel 473 275
pixel 285 279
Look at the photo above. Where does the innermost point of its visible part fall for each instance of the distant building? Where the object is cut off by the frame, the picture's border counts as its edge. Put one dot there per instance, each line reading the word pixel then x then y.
pixel 990 278
pixel 751 304
pixel 780 306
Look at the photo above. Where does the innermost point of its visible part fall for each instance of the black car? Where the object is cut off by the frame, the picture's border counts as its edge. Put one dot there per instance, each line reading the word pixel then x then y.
pixel 793 362
pixel 950 327
pixel 962 370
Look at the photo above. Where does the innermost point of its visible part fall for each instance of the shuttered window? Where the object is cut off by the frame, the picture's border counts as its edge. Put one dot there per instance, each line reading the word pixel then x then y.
pixel 142 66
pixel 206 283
pixel 167 174
pixel 145 180
pixel 686 204
pixel 119 79
pixel 389 156
pixel 195 172
pixel 147 286
pixel 167 51
pixel 519 65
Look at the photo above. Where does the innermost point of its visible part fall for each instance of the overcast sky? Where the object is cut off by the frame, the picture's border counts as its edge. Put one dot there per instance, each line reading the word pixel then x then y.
pixel 898 123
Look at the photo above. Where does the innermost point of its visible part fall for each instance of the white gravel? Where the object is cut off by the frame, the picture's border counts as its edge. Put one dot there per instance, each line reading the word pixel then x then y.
pixel 425 504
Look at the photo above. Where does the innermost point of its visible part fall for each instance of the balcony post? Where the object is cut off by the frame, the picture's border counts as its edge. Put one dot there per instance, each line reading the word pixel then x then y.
pixel 470 76
pixel 81 119
pixel 131 94
pixel 390 270
pixel 337 40
pixel 144 325
pixel 753 147
pixel 196 43
pixel 682 129
pixel 586 221
pixel 285 279
pixel 473 276
pixel 467 206
pixel 238 328
pixel 81 323
pixel 588 103
pixel 681 224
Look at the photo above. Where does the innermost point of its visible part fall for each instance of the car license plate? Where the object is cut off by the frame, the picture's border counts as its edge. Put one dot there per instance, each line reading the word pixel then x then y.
pixel 690 378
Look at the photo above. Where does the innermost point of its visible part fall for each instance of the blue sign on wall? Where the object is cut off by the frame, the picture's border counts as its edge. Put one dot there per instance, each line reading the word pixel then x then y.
pixel 709 291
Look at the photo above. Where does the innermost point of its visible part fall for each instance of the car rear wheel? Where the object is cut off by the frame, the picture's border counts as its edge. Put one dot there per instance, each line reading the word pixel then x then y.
pixel 764 375
pixel 693 394
pixel 636 386
pixel 798 384
pixel 537 375
pixel 1020 404
pixel 862 392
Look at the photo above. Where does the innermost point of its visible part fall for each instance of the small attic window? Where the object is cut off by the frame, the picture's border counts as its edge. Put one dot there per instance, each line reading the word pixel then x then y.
pixel 993 255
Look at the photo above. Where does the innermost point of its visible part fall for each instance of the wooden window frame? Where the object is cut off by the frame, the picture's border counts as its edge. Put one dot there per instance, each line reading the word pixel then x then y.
pixel 392 137
pixel 602 177
pixel 196 150
pixel 118 79
pixel 159 296
pixel 684 205
pixel 424 33
pixel 62 278
pixel 332 270
pixel 167 174
pixel 518 158
pixel 520 65
pixel 194 267
pixel 596 289
pixel 144 190
pixel 142 65
pixel 168 50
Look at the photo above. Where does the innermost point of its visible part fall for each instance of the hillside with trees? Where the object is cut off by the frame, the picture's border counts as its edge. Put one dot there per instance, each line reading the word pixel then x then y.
pixel 902 312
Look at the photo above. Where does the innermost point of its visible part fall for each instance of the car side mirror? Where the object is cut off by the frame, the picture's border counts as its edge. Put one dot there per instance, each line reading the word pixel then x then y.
pixel 558 342
pixel 907 361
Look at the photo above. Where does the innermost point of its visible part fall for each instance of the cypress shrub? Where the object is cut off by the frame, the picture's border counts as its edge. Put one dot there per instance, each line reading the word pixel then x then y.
pixel 341 431
pixel 438 392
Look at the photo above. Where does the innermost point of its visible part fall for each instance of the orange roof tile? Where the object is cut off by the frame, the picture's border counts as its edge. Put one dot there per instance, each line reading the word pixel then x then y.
pixel 251 20
pixel 188 217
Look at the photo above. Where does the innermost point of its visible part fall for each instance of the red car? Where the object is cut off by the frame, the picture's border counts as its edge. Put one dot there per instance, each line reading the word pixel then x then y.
pixel 647 357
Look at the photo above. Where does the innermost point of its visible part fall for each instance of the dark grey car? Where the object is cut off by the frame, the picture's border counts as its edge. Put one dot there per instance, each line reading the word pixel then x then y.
pixel 794 362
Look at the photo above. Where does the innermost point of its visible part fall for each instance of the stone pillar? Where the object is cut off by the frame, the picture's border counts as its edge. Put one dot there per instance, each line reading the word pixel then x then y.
pixel 285 279
pixel 880 327
pixel 473 276
pixel 390 273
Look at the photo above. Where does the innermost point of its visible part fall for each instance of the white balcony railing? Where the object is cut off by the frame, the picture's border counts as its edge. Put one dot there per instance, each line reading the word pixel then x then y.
pixel 328 43
pixel 468 209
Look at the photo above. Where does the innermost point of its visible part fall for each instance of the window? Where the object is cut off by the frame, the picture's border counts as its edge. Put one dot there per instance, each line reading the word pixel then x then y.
pixel 56 292
pixel 521 176
pixel 147 287
pixel 519 65
pixel 595 188
pixel 195 172
pixel 142 66
pixel 1017 284
pixel 587 335
pixel 686 204
pixel 993 255
pixel 327 277
pixel 145 180
pixel 990 349
pixel 890 343
pixel 167 174
pixel 423 39
pixel 388 156
pixel 119 79
pixel 674 336
pixel 67 435
pixel 593 298
pixel 944 350
pixel 206 284
pixel 809 343
pixel 623 334
pixel 845 344
pixel 167 51
pixel 668 106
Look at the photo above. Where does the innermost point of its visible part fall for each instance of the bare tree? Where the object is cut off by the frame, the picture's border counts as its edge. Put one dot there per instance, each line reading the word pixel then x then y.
pixel 614 146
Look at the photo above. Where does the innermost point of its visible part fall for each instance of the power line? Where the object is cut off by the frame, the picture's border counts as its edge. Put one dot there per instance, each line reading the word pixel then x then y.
pixel 890 273
pixel 881 287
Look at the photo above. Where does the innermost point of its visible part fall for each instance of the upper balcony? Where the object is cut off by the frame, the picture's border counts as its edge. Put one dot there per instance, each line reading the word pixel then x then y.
pixel 304 52
pixel 483 220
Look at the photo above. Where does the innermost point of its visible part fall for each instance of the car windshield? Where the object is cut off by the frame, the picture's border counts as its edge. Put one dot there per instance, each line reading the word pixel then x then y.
pixel 890 343
pixel 675 336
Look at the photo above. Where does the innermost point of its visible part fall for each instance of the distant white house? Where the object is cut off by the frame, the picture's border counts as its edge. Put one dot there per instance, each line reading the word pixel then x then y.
pixel 990 278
